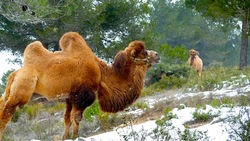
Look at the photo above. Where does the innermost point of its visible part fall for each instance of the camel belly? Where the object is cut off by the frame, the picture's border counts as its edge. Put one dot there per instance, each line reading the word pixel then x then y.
pixel 53 90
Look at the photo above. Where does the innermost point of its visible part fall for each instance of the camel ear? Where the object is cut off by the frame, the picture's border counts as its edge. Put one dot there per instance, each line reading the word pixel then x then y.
pixel 197 53
pixel 133 53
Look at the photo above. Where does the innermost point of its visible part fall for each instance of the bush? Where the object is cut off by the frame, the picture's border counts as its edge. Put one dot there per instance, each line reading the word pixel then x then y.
pixel 18 113
pixel 240 125
pixel 161 132
pixel 187 135
pixel 34 109
pixel 5 77
pixel 139 105
pixel 164 70
pixel 55 108
pixel 200 116
pixel 91 111
pixel 1 90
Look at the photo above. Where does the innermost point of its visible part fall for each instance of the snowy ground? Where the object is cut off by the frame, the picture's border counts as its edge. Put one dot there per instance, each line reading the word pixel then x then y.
pixel 219 128
pixel 216 130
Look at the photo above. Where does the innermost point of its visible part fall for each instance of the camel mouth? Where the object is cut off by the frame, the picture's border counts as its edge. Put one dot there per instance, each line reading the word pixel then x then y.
pixel 141 59
pixel 158 60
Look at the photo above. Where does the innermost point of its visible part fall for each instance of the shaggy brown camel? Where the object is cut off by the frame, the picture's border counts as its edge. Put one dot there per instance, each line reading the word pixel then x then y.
pixel 195 61
pixel 72 74
pixel 116 91
pixel 124 63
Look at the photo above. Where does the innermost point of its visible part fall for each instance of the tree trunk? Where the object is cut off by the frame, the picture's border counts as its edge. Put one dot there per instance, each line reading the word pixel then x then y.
pixel 244 41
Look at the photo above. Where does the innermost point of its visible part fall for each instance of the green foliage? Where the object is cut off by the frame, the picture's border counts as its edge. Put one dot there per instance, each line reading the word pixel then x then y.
pixel 139 105
pixel 244 100
pixel 18 113
pixel 230 102
pixel 35 11
pixel 107 26
pixel 216 78
pixel 173 55
pixel 219 10
pixel 33 110
pixel 227 12
pixel 177 25
pixel 55 108
pixel 171 82
pixel 164 77
pixel 133 135
pixel 201 116
pixel 1 90
pixel 215 103
pixel 240 129
pixel 91 111
pixel 161 132
pixel 181 106
pixel 170 77
pixel 227 101
pixel 172 72
pixel 5 77
pixel 168 115
pixel 187 135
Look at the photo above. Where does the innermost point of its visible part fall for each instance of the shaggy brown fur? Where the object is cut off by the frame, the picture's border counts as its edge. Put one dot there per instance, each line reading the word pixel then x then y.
pixel 195 61
pixel 115 91
pixel 116 94
pixel 121 70
pixel 71 73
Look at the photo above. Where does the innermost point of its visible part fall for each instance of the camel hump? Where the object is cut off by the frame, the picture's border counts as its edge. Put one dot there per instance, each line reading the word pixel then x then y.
pixel 72 41
pixel 34 51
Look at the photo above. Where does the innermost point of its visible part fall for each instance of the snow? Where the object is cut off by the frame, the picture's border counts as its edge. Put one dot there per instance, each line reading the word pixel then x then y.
pixel 218 129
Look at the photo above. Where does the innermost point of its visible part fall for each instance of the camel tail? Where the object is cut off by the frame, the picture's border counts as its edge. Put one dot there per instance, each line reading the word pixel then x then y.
pixel 6 94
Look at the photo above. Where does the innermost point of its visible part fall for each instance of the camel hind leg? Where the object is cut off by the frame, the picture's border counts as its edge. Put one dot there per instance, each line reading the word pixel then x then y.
pixel 7 90
pixel 21 90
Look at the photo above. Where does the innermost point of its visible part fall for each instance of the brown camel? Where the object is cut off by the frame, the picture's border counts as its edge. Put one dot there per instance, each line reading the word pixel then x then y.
pixel 195 61
pixel 72 74
pixel 116 91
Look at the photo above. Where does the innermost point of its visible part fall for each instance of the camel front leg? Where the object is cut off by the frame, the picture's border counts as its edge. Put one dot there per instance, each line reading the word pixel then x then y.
pixel 81 97
pixel 76 117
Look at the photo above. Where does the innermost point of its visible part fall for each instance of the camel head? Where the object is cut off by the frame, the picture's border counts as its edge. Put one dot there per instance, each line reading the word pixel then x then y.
pixel 193 52
pixel 153 57
pixel 137 50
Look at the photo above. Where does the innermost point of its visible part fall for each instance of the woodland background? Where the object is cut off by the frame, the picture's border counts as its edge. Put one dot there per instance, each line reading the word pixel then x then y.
pixel 219 30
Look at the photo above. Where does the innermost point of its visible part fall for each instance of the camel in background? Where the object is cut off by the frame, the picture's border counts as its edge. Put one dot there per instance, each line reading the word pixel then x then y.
pixel 195 61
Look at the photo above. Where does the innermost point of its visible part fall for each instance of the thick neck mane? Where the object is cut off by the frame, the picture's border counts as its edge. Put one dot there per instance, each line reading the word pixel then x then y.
pixel 118 92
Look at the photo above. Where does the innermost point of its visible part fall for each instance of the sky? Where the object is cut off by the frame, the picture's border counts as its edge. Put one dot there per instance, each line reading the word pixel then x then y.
pixel 4 64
